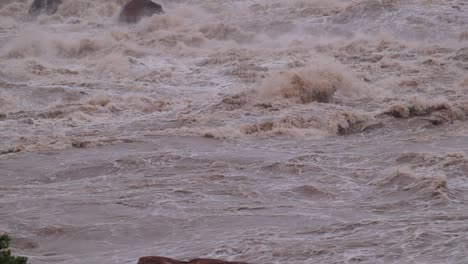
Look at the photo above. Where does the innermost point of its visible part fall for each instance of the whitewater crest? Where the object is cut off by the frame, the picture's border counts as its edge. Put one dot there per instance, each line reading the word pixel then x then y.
pixel 304 85
pixel 405 186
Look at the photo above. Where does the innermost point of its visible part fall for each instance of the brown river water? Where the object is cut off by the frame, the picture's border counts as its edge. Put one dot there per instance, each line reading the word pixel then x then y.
pixel 264 131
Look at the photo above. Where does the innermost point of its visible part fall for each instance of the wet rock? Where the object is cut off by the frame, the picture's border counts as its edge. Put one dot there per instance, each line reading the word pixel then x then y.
pixel 48 7
pixel 163 260
pixel 212 261
pixel 133 11
pixel 158 260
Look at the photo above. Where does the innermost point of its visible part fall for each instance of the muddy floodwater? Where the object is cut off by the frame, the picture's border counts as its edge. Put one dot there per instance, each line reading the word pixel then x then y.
pixel 264 131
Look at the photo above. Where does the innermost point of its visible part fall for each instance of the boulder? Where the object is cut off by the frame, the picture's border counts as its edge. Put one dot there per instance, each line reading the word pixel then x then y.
pixel 163 260
pixel 212 261
pixel 158 260
pixel 48 7
pixel 133 11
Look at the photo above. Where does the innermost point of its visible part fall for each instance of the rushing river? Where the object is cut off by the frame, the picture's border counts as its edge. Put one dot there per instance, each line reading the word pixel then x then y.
pixel 264 131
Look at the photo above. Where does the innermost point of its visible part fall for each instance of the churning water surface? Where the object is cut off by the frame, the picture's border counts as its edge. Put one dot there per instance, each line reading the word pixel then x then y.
pixel 264 131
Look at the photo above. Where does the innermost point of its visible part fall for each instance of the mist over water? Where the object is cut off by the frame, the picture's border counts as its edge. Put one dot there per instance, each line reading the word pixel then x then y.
pixel 265 131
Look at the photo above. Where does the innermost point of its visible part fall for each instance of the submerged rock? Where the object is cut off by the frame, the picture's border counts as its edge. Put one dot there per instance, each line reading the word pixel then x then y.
pixel 158 260
pixel 212 261
pixel 48 7
pixel 163 260
pixel 133 11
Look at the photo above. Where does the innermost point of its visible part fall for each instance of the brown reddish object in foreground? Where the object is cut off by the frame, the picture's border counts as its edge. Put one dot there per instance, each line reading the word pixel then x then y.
pixel 163 260
pixel 158 260
pixel 48 7
pixel 212 261
pixel 133 11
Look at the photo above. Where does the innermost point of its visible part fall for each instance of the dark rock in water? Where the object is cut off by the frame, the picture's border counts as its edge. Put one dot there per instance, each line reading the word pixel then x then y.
pixel 158 260
pixel 137 9
pixel 212 261
pixel 48 7
pixel 163 260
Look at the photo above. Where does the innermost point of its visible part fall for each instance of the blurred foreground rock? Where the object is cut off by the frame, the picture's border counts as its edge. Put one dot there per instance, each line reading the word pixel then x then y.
pixel 163 260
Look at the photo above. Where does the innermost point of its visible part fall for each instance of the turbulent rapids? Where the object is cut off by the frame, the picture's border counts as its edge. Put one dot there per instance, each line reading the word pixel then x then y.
pixel 258 131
